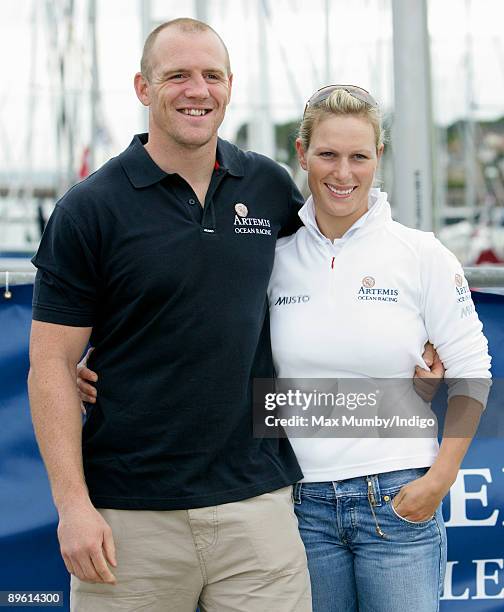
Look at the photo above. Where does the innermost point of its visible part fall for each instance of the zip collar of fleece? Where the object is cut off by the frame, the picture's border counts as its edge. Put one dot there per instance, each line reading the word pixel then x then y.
pixel 378 213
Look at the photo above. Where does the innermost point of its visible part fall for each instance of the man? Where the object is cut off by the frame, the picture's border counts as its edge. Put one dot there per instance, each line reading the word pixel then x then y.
pixel 161 259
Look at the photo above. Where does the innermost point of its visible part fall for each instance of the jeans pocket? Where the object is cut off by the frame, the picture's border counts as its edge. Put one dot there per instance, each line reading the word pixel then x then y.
pixel 405 520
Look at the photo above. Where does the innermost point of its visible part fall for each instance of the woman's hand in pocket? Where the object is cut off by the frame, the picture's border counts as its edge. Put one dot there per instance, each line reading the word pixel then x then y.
pixel 419 499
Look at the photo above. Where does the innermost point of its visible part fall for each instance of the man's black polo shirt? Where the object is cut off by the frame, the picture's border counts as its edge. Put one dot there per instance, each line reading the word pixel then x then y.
pixel 176 296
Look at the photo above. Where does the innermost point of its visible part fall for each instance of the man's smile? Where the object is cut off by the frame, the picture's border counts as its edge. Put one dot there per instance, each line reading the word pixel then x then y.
pixel 194 112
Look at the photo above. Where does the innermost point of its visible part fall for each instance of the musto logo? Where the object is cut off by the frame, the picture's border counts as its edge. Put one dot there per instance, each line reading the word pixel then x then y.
pixel 292 299
pixel 368 292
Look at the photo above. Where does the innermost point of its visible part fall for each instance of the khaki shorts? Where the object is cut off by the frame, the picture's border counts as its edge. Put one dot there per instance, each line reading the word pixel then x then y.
pixel 245 556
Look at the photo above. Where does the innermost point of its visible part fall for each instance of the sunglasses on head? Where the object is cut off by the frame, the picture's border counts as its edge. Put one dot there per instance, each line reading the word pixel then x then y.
pixel 357 92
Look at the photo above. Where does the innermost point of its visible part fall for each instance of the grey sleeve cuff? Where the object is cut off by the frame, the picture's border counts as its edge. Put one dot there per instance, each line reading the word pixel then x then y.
pixel 476 388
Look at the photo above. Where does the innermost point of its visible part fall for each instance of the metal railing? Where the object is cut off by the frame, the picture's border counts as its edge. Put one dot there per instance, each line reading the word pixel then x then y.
pixel 485 276
pixel 478 277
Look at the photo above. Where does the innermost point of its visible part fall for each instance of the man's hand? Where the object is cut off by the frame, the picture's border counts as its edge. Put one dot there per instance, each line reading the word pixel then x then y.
pixel 86 391
pixel 427 382
pixel 418 500
pixel 87 544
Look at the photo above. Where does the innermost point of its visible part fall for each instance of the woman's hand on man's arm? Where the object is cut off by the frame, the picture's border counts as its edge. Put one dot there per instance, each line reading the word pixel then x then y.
pixel 85 376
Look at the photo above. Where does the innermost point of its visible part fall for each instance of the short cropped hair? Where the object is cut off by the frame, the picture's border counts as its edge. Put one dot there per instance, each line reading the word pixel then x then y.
pixel 185 24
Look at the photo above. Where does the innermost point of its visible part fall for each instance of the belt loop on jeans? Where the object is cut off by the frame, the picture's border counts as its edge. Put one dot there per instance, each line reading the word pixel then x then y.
pixel 375 483
pixel 296 492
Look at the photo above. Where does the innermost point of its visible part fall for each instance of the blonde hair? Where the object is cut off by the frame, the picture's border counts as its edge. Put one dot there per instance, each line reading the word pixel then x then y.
pixel 185 24
pixel 340 103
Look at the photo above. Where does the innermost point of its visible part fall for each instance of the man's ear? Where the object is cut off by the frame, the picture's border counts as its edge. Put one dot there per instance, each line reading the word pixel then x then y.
pixel 142 88
pixel 379 151
pixel 230 86
pixel 301 154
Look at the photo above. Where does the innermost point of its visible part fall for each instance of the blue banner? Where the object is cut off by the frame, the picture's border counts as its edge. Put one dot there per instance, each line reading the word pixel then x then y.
pixel 474 509
pixel 29 551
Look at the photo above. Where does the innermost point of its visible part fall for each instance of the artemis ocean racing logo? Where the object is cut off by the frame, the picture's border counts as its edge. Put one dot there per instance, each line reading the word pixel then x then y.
pixel 463 296
pixel 249 225
pixel 368 292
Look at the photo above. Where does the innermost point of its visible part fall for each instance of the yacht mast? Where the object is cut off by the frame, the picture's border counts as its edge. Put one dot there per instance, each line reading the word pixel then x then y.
pixel 413 127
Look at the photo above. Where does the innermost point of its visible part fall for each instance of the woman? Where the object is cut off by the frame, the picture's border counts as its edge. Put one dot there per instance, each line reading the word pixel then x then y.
pixel 369 508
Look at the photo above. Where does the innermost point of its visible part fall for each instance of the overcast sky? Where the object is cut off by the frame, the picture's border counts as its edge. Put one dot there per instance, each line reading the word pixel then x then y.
pixel 361 53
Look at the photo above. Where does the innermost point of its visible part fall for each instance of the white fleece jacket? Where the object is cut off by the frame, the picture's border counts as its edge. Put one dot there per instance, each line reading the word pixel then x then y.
pixel 363 306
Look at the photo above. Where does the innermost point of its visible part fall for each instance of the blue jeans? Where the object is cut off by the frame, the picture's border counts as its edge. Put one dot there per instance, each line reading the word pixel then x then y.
pixel 351 566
